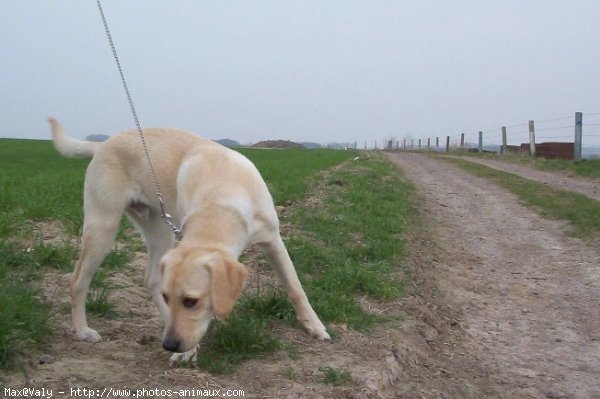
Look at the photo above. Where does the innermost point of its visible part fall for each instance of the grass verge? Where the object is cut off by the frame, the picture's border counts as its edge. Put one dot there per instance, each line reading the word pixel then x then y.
pixel 582 212
pixel 335 377
pixel 350 245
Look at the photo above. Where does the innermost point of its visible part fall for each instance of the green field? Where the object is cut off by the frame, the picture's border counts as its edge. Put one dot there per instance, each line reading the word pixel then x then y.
pixel 346 242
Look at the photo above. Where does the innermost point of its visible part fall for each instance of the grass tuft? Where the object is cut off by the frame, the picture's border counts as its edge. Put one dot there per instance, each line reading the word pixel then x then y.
pixel 23 320
pixel 241 336
pixel 335 377
pixel 116 259
pixel 97 303
pixel 39 255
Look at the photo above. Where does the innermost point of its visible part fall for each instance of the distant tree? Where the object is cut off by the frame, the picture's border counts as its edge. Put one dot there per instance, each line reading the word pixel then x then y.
pixel 97 137
pixel 309 144
pixel 228 143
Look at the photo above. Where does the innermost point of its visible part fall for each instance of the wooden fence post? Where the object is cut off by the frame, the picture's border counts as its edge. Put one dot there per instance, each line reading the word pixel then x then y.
pixel 428 144
pixel 447 143
pixel 531 139
pixel 412 144
pixel 578 132
pixel 419 144
pixel 404 144
pixel 437 143
pixel 504 148
pixel 462 141
pixel 480 141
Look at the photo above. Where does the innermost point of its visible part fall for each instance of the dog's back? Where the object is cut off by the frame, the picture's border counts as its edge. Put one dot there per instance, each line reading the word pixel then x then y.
pixel 177 156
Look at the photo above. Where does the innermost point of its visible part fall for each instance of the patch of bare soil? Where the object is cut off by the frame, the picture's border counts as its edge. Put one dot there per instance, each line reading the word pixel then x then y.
pixel 527 294
pixel 566 180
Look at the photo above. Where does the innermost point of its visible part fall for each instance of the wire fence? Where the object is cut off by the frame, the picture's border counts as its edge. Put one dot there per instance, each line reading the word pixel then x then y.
pixel 584 138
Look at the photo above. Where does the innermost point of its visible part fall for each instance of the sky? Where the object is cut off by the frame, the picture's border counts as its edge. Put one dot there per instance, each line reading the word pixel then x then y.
pixel 321 71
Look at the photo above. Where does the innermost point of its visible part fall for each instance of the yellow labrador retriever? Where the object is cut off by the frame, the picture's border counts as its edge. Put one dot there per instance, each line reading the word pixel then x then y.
pixel 219 198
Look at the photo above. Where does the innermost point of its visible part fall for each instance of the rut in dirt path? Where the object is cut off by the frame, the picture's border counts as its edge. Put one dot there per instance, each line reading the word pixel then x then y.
pixel 529 295
pixel 589 187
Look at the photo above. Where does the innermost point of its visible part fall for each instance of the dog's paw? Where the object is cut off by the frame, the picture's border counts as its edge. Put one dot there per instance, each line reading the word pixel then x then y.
pixel 321 333
pixel 87 334
pixel 185 357
pixel 316 329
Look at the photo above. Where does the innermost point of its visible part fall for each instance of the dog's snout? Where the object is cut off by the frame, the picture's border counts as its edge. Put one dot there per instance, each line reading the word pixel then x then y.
pixel 171 345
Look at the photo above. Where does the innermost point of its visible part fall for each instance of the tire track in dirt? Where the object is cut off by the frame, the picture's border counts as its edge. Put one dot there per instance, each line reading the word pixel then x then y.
pixel 527 294
pixel 564 180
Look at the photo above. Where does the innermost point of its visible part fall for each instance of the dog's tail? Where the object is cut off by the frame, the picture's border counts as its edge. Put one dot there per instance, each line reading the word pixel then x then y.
pixel 70 147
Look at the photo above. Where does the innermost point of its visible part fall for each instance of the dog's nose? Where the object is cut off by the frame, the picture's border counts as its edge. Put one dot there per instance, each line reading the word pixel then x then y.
pixel 171 345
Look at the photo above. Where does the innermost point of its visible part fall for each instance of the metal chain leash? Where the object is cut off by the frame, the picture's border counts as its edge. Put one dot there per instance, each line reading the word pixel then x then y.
pixel 166 217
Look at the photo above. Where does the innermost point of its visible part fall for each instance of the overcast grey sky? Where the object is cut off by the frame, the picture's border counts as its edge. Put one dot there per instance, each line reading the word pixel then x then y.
pixel 303 70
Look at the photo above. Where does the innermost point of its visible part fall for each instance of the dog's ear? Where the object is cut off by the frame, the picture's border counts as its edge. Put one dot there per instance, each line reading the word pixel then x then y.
pixel 227 278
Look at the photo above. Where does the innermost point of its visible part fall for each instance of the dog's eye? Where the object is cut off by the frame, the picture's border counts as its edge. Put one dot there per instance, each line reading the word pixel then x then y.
pixel 190 302
pixel 166 298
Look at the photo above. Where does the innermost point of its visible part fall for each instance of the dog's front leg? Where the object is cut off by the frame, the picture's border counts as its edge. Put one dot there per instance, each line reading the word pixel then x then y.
pixel 154 284
pixel 281 262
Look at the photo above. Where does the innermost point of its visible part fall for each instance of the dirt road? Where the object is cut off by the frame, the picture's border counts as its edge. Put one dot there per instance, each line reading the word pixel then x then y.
pixel 568 181
pixel 527 294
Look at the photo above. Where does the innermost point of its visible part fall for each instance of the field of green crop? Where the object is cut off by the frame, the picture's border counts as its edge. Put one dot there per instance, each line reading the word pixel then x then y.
pixel 345 246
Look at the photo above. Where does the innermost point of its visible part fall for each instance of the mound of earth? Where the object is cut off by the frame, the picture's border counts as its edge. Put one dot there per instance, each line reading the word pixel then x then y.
pixel 277 144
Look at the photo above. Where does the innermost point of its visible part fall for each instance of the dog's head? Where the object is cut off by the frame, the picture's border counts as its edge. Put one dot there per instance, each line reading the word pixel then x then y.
pixel 197 286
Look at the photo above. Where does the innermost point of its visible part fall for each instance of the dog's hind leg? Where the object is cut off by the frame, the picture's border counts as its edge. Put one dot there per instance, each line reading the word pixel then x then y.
pixel 99 232
pixel 103 206
pixel 280 260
